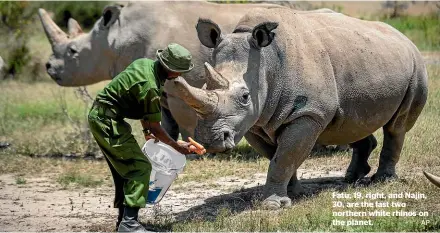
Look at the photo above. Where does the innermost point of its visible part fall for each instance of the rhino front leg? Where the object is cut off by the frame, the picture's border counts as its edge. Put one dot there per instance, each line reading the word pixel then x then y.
pixel 267 150
pixel 359 167
pixel 294 144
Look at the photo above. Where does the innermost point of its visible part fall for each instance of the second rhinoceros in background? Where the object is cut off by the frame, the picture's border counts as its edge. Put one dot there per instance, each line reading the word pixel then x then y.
pixel 126 33
pixel 285 81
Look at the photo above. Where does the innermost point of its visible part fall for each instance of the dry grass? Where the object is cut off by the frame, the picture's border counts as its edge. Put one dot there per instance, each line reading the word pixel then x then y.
pixel 33 122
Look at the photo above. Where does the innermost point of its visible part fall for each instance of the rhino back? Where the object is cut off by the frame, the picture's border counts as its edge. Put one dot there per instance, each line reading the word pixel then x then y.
pixel 351 74
pixel 149 26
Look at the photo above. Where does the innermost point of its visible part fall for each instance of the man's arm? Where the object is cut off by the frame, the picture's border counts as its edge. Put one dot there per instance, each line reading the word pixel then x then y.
pixel 156 129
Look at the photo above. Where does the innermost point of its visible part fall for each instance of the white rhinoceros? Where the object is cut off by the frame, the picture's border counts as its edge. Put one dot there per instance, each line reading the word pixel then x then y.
pixel 137 30
pixel 285 80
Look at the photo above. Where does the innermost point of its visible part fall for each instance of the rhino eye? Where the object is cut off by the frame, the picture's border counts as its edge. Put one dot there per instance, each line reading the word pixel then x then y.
pixel 245 98
pixel 73 51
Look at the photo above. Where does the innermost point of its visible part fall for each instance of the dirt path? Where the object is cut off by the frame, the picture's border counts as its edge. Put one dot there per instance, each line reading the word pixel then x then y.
pixel 42 205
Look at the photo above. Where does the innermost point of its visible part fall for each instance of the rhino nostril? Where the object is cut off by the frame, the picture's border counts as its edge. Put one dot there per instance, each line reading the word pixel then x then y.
pixel 226 135
pixel 47 65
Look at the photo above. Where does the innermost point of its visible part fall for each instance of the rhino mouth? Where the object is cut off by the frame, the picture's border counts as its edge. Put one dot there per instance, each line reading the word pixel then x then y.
pixel 223 143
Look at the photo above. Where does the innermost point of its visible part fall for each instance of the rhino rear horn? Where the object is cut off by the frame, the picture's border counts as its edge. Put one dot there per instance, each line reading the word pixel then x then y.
pixel 214 79
pixel 209 33
pixel 74 28
pixel 202 101
pixel 434 179
pixel 53 32
pixel 262 33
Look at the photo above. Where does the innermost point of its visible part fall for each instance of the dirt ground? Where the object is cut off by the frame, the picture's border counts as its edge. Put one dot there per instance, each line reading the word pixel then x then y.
pixel 42 205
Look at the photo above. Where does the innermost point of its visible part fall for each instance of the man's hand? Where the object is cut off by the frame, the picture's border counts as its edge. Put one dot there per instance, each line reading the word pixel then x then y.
pixel 183 147
pixel 155 130
pixel 151 136
pixel 193 146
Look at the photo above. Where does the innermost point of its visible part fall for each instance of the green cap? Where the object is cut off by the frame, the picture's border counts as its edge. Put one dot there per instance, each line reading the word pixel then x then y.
pixel 175 58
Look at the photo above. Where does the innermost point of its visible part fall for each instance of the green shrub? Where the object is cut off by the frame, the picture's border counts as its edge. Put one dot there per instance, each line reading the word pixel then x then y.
pixel 15 16
pixel 86 13
pixel 424 31
pixel 74 177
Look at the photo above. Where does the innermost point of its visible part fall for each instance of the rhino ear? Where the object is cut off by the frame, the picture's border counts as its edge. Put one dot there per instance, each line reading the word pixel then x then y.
pixel 209 33
pixel 109 15
pixel 262 33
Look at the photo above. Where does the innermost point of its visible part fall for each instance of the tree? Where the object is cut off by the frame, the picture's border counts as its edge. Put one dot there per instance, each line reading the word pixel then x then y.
pixel 397 7
pixel 15 16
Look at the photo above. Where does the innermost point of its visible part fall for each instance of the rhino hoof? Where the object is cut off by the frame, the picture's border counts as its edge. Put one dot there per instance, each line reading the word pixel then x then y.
pixel 381 177
pixel 276 202
pixel 357 173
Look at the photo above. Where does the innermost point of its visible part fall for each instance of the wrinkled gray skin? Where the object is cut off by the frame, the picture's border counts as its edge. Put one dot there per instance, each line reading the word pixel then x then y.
pixel 124 34
pixel 286 80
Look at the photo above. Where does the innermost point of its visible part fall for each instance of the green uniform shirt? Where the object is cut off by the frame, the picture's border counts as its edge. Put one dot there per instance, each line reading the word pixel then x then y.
pixel 135 92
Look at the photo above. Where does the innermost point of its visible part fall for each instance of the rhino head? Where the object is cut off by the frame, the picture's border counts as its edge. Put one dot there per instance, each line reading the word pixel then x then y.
pixel 235 94
pixel 74 61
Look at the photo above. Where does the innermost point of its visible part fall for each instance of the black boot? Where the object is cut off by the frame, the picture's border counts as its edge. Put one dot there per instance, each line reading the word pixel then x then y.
pixel 120 215
pixel 130 221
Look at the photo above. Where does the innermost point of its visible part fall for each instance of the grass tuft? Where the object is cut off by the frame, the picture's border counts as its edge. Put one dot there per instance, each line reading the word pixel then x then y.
pixel 20 180
pixel 82 180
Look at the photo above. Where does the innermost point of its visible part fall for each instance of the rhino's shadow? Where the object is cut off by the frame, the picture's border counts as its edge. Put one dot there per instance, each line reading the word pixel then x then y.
pixel 249 154
pixel 250 198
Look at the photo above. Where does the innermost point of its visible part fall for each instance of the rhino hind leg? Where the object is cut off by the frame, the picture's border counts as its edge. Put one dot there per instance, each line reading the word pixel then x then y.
pixel 359 167
pixel 402 121
pixel 389 156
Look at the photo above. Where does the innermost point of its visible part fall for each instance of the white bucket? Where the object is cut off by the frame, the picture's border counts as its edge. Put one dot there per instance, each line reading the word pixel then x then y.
pixel 166 163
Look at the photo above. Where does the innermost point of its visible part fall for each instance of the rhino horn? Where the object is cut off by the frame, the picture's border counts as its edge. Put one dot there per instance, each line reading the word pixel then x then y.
pixel 74 28
pixel 53 32
pixel 434 179
pixel 214 79
pixel 202 101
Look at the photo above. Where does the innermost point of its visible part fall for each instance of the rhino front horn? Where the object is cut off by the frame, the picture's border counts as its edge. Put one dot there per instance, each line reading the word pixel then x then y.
pixel 202 101
pixel 434 179
pixel 53 32
pixel 214 79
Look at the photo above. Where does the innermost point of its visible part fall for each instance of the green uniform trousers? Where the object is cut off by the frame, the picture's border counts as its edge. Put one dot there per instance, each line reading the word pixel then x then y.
pixel 129 166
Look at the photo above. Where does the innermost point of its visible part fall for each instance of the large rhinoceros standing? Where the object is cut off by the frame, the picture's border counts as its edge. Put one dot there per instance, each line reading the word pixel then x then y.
pixel 286 80
pixel 124 34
